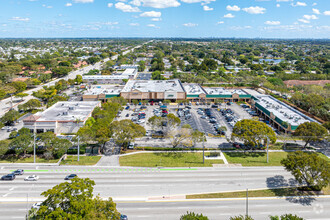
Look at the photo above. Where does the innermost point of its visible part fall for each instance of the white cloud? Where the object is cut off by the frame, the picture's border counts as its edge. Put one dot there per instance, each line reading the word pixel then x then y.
pixel 233 8
pixel 83 1
pixel 136 2
pixel 19 19
pixel 304 21
pixel 278 5
pixel 273 22
pixel 326 13
pixel 303 4
pixel 126 8
pixel 220 22
pixel 68 4
pixel 310 17
pixel 207 8
pixel 156 19
pixel 229 15
pixel 156 3
pixel 152 25
pixel 284 0
pixel 155 14
pixel 314 4
pixel 190 25
pixel 110 5
pixel 316 11
pixel 204 2
pixel 134 24
pixel 254 10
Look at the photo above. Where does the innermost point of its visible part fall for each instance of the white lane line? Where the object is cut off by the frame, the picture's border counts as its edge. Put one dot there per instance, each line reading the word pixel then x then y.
pixel 2 168
pixel 15 217
pixel 11 189
pixel 265 213
pixel 21 209
pixel 6 195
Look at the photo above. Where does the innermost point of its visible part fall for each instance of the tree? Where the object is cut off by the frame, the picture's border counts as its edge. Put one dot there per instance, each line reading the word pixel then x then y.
pixel 241 217
pixel 22 143
pixel 164 124
pixel 120 100
pixel 30 105
pixel 125 131
pixel 4 146
pixel 157 75
pixel 198 136
pixel 253 133
pixel 10 117
pixel 74 200
pixel 193 216
pixel 310 131
pixel 21 95
pixel 19 86
pixel 286 217
pixel 180 136
pixel 308 169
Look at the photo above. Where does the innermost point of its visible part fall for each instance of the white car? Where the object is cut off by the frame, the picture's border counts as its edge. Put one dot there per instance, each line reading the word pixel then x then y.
pixel 36 205
pixel 32 178
pixel 141 121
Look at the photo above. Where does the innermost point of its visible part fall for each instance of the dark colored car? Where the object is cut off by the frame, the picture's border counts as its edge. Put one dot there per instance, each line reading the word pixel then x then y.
pixel 123 217
pixel 214 106
pixel 8 177
pixel 127 115
pixel 18 172
pixel 70 177
pixel 127 107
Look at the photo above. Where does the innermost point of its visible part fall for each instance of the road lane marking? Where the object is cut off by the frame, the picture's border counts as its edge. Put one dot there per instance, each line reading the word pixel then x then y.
pixel 11 189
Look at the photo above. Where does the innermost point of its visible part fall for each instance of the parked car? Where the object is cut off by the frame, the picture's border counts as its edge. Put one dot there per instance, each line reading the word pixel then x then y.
pixel 18 172
pixel 131 146
pixel 8 177
pixel 212 120
pixel 70 177
pixel 127 107
pixel 31 178
pixel 214 106
pixel 140 121
pixel 127 115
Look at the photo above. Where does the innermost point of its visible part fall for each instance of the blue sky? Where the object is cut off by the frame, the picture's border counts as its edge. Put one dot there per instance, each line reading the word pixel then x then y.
pixel 165 18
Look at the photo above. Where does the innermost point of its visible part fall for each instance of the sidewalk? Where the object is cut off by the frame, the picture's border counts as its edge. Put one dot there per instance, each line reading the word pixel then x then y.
pixel 112 160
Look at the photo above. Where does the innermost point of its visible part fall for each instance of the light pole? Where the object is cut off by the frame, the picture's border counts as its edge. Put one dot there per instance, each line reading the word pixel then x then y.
pixel 203 150
pixel 34 143
pixel 267 148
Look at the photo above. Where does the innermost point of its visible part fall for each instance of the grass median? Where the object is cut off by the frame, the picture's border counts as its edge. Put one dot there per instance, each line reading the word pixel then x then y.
pixel 167 159
pixel 259 158
pixel 279 192
pixel 27 160
pixel 83 160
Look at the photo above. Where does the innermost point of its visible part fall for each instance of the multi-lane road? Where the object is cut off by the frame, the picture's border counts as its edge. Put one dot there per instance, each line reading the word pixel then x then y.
pixel 152 193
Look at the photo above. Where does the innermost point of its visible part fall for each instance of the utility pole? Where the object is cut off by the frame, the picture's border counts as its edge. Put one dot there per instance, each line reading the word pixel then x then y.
pixel 247 202
pixel 78 147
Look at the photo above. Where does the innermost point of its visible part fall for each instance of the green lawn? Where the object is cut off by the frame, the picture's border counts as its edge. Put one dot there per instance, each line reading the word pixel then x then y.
pixel 83 160
pixel 257 193
pixel 256 158
pixel 27 160
pixel 167 159
pixel 259 159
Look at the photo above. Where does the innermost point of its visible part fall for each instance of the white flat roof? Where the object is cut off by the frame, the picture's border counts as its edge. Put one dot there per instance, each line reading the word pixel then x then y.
pixel 193 89
pixel 153 85
pixel 68 111
pixel 96 77
pixel 103 89
pixel 281 110
pixel 223 91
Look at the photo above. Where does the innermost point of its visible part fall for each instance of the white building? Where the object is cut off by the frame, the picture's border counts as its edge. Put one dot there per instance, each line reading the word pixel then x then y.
pixel 61 118
pixel 116 78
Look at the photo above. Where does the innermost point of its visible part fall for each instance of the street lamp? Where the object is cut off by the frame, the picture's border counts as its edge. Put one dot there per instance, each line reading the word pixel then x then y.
pixel 78 147
pixel 34 143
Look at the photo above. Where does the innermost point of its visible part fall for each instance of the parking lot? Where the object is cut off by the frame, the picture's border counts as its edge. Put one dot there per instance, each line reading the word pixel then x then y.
pixel 213 122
